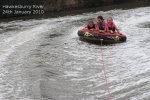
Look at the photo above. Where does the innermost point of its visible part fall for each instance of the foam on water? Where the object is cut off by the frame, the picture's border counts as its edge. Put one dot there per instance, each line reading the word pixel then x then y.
pixel 9 44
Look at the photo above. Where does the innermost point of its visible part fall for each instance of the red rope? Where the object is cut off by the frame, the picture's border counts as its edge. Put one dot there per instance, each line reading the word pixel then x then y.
pixel 107 89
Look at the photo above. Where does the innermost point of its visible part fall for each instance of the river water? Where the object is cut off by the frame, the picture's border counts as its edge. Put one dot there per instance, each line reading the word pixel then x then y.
pixel 43 59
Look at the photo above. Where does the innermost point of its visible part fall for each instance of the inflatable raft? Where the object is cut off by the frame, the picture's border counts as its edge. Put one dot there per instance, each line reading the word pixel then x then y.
pixel 95 36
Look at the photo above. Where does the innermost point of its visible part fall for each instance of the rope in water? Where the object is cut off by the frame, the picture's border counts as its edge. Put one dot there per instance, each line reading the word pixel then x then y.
pixel 107 89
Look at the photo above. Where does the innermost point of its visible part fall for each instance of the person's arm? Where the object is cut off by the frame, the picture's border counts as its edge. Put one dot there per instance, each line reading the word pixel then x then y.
pixel 117 29
pixel 110 31
pixel 86 27
pixel 96 26
pixel 106 28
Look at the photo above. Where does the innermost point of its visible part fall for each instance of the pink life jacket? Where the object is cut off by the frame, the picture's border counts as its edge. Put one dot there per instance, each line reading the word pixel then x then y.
pixel 111 26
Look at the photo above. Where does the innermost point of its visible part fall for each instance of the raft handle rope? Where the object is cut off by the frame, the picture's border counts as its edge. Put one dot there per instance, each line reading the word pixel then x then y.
pixel 107 89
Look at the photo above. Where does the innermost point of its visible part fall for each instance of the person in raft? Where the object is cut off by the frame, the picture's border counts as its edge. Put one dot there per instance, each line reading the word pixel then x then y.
pixel 101 24
pixel 111 27
pixel 90 25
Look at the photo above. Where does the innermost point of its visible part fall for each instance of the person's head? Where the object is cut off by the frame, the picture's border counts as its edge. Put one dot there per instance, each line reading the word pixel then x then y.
pixel 110 20
pixel 91 23
pixel 100 19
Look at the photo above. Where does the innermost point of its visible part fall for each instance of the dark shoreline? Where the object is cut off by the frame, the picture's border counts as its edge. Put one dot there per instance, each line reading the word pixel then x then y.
pixel 124 6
